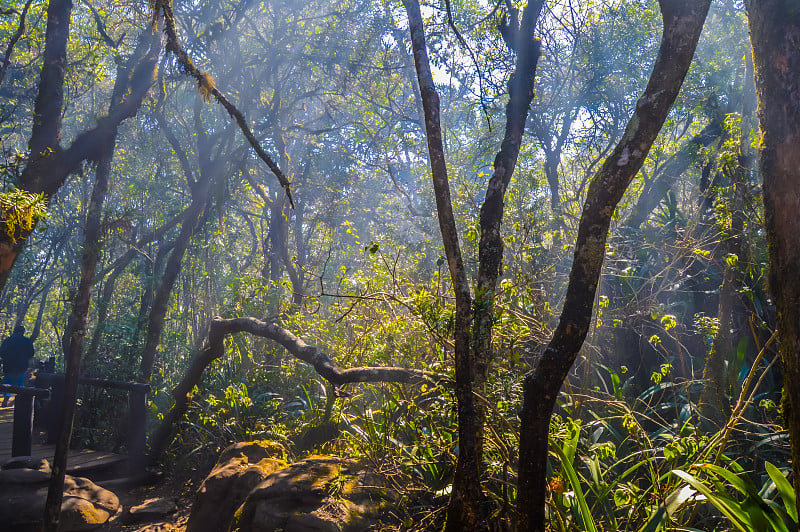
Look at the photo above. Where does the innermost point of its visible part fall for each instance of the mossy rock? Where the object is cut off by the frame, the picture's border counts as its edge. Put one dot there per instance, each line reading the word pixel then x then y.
pixel 324 494
pixel 239 469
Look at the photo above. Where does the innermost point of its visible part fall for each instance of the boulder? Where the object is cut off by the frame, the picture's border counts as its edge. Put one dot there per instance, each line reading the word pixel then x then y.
pixel 239 469
pixel 27 462
pixel 151 510
pixel 319 494
pixel 23 493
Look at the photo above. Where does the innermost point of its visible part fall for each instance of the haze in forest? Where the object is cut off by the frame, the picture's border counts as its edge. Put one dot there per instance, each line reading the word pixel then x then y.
pixel 405 235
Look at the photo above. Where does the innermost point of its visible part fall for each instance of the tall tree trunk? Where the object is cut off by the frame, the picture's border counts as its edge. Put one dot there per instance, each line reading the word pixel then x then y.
pixel 155 320
pixel 683 22
pixel 78 320
pixel 195 214
pixel 147 47
pixel 46 129
pixel 210 169
pixel 735 257
pixel 775 36
pixel 37 326
pixel 104 302
pixel 473 328
pixel 467 495
pixel 490 246
pixel 114 271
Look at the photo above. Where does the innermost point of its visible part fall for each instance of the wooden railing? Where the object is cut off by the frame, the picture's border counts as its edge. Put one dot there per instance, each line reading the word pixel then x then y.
pixel 22 437
pixel 52 385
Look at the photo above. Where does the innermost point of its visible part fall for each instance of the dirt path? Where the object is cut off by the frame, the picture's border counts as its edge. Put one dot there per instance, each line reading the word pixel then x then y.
pixel 181 490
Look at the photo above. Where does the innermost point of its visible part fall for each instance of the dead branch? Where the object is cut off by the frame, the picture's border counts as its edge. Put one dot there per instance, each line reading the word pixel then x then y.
pixel 207 87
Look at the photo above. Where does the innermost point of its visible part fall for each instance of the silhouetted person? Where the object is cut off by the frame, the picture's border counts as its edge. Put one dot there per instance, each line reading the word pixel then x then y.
pixel 16 352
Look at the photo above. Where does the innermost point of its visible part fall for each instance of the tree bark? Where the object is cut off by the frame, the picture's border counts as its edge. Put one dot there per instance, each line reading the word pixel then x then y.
pixel 78 320
pixel 775 36
pixel 148 49
pixel 490 247
pixel 474 320
pixel 46 129
pixel 189 226
pixel 210 170
pixel 683 21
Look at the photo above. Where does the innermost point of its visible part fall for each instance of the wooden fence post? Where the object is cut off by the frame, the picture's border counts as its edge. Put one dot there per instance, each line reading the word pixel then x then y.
pixel 137 424
pixel 55 408
pixel 22 440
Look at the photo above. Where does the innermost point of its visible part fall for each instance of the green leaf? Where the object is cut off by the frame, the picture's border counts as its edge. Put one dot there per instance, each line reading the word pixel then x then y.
pixel 568 471
pixel 678 497
pixel 741 483
pixel 729 507
pixel 784 488
pixel 615 383
pixel 656 520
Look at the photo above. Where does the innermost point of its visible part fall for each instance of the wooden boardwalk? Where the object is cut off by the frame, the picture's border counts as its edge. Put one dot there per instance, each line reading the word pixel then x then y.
pixel 79 462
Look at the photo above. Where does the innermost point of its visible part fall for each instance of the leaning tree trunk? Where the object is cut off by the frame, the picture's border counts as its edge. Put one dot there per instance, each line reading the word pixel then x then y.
pixel 775 36
pixel 158 312
pixel 669 173
pixel 78 322
pixel 490 247
pixel 683 21
pixel 112 274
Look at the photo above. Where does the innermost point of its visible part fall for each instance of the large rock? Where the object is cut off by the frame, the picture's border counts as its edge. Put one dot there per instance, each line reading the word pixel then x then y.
pixel 23 493
pixel 239 469
pixel 319 494
pixel 152 510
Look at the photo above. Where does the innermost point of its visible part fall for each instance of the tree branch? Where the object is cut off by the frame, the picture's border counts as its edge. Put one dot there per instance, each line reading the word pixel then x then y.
pixel 14 39
pixel 207 87
pixel 214 348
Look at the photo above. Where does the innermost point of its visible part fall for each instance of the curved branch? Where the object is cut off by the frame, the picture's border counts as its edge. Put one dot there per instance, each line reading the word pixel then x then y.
pixel 133 88
pixel 214 348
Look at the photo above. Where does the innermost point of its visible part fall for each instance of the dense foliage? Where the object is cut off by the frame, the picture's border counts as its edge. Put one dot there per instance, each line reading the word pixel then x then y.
pixel 669 418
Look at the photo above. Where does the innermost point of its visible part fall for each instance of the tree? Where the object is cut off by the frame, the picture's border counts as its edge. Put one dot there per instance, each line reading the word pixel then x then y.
pixel 474 318
pixel 683 21
pixel 49 163
pixel 145 55
pixel 775 34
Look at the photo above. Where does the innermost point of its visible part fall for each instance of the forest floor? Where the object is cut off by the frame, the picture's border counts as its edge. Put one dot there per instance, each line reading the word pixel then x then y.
pixel 180 487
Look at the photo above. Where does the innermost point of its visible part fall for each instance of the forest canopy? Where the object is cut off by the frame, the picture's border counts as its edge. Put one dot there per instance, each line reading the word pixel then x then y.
pixel 522 257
